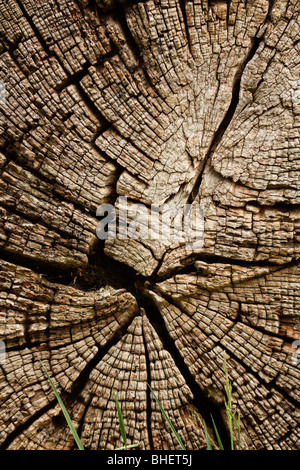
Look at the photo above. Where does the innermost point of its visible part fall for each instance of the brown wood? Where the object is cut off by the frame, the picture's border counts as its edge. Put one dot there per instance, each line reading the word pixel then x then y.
pixel 167 101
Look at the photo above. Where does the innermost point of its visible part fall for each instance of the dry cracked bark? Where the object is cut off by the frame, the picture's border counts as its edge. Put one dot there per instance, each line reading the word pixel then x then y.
pixel 160 101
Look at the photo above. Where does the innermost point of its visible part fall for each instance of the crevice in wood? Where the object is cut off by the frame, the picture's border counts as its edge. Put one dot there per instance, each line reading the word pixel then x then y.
pixel 171 300
pixel 268 385
pixel 48 270
pixel 113 6
pixel 228 12
pixel 189 267
pixel 285 437
pixel 256 41
pixel 226 119
pixel 37 219
pixel 254 201
pixel 134 145
pixel 37 33
pixel 77 387
pixel 10 152
pixel 17 431
pixel 105 271
pixel 100 271
pixel 271 5
pixel 148 396
pixel 120 168
pixel 182 6
pixel 121 15
pixel 202 403
pixel 110 272
pixel 92 107
pixel 83 377
pixel 72 79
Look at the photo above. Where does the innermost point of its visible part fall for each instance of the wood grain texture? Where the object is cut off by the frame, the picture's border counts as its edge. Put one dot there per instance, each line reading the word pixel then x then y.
pixel 164 102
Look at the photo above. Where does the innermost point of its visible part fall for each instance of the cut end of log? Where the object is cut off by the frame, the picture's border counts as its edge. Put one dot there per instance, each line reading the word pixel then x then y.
pixel 159 105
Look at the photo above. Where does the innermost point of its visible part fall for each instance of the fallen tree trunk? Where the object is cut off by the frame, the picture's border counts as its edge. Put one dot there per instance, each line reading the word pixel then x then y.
pixel 162 102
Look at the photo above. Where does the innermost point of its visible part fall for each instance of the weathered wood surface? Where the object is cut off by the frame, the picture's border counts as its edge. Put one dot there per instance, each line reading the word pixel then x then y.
pixel 167 100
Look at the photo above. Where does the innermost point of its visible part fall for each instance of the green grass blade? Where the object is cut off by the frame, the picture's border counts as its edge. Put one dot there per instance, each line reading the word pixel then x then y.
pixel 130 446
pixel 239 430
pixel 217 434
pixel 64 410
pixel 121 422
pixel 238 423
pixel 228 404
pixel 209 447
pixel 230 413
pixel 167 419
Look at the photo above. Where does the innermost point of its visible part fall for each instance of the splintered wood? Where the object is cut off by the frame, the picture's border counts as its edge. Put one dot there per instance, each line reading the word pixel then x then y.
pixel 161 102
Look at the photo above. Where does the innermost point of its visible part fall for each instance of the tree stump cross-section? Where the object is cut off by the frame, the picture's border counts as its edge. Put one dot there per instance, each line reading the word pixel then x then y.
pixel 162 102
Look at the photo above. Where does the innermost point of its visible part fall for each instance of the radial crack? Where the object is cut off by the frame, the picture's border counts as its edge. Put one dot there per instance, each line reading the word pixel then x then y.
pixel 218 135
pixel 203 404
pixel 148 395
